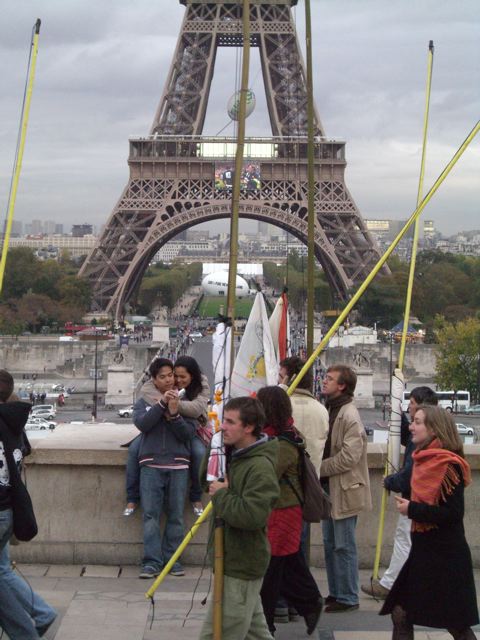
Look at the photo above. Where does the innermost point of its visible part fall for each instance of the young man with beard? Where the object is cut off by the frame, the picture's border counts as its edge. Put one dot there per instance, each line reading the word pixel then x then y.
pixel 244 500
pixel 344 474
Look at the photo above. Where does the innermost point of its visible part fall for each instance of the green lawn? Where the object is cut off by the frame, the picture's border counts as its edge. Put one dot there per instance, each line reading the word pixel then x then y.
pixel 210 307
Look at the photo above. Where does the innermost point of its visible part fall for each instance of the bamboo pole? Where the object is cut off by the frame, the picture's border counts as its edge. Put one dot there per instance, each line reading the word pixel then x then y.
pixel 393 455
pixel 311 185
pixel 413 260
pixel 363 287
pixel 21 148
pixel 190 535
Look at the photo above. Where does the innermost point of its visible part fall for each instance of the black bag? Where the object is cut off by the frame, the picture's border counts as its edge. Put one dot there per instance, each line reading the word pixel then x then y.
pixel 316 503
pixel 24 522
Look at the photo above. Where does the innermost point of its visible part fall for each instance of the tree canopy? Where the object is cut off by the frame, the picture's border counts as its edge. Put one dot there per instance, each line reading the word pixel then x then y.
pixel 40 293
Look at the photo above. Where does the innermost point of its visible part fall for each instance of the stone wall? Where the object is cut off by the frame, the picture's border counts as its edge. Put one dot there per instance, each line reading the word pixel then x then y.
pixel 76 477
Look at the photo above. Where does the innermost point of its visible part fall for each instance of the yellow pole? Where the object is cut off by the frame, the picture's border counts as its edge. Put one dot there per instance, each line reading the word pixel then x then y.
pixel 311 186
pixel 190 535
pixel 413 260
pixel 232 272
pixel 18 164
pixel 408 300
pixel 361 290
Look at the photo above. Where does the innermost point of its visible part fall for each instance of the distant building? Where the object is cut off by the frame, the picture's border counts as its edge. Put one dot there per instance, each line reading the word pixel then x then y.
pixel 76 246
pixel 81 230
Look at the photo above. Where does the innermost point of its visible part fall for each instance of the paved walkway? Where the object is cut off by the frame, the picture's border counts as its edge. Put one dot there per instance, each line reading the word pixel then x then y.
pixel 108 603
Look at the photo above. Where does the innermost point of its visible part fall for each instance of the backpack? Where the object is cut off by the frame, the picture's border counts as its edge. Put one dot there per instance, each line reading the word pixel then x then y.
pixel 316 504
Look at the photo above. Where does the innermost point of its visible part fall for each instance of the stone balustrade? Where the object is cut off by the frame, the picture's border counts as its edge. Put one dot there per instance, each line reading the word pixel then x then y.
pixel 76 477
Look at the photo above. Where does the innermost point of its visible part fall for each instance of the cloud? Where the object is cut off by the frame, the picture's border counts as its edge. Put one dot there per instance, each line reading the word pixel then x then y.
pixel 102 66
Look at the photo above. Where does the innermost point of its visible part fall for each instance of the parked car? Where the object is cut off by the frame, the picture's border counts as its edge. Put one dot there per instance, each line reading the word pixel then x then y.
pixel 41 422
pixel 47 411
pixel 196 334
pixel 463 430
pixel 126 412
pixel 475 408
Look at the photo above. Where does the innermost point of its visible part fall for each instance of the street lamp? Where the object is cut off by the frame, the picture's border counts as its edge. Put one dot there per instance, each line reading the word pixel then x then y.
pixel 95 383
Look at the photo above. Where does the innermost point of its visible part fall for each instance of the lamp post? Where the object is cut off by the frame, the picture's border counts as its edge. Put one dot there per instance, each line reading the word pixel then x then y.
pixel 95 383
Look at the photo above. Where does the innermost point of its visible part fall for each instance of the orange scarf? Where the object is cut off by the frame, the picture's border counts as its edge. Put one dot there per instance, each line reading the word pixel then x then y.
pixel 434 476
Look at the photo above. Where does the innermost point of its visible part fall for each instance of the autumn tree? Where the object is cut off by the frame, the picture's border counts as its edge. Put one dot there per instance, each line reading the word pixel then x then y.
pixel 458 355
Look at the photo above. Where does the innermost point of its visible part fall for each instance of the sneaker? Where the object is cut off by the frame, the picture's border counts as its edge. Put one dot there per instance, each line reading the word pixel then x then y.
pixel 281 615
pixel 177 570
pixel 340 607
pixel 330 599
pixel 312 618
pixel 149 572
pixel 375 590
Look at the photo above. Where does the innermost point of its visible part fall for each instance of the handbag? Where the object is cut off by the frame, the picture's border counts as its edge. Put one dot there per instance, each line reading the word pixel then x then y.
pixel 316 503
pixel 24 522
pixel 203 430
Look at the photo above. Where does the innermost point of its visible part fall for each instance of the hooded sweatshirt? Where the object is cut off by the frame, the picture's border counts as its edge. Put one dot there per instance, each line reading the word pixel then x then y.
pixel 245 506
pixel 13 417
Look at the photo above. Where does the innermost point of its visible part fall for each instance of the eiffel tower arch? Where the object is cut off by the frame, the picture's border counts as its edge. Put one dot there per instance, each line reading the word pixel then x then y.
pixel 172 170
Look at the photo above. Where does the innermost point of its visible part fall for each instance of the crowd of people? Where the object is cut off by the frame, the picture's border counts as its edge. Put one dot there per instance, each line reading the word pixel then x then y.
pixel 267 579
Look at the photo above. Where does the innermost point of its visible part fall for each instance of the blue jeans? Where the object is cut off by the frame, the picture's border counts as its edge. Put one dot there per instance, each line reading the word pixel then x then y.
pixel 133 471
pixel 13 617
pixel 41 612
pixel 162 490
pixel 341 559
pixel 197 451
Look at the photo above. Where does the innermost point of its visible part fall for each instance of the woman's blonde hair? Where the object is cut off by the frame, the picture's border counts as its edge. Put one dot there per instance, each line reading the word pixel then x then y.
pixel 444 428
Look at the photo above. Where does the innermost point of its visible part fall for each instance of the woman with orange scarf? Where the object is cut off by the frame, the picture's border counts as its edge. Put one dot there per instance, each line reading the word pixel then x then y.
pixel 435 587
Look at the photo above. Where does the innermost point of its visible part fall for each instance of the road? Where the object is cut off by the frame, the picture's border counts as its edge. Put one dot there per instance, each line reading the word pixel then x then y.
pixel 201 350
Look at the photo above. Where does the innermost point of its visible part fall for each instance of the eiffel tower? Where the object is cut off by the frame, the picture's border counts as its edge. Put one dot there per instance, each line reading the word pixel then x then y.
pixel 172 170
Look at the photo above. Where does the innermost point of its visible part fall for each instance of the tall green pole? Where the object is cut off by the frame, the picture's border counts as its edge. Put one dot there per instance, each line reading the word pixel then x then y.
pixel 232 272
pixel 311 185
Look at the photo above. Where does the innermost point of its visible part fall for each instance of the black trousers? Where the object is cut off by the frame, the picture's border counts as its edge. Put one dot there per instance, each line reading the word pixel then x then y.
pixel 289 577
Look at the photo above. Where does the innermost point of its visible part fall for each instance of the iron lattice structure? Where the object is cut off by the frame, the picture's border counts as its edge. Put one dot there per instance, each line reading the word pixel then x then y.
pixel 172 170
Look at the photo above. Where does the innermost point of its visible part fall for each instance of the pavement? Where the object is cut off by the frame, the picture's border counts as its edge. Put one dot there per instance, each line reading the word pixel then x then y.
pixel 108 603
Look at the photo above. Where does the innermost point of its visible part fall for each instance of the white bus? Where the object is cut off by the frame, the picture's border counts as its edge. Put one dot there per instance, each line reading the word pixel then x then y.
pixel 457 401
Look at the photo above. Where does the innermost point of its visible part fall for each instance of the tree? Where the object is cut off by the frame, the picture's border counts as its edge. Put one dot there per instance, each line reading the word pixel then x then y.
pixel 21 271
pixel 458 355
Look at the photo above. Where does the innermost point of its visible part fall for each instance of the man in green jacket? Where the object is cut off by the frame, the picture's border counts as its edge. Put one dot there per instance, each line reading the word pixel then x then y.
pixel 244 500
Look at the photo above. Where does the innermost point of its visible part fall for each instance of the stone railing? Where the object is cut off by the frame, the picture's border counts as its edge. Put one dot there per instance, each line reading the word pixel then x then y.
pixel 76 477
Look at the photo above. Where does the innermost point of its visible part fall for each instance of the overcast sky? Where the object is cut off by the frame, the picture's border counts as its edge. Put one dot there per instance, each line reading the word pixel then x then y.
pixel 102 65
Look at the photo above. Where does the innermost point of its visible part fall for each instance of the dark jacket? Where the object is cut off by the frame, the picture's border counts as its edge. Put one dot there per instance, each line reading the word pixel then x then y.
pixel 13 417
pixel 436 585
pixel 165 441
pixel 400 482
pixel 245 507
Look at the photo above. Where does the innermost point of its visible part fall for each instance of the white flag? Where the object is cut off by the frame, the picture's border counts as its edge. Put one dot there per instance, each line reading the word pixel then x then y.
pixel 222 341
pixel 394 435
pixel 256 364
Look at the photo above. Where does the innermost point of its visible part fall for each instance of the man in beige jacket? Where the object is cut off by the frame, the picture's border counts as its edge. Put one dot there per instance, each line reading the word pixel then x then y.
pixel 344 474
pixel 309 415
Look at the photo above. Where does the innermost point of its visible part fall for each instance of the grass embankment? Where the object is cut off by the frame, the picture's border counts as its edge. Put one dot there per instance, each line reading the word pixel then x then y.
pixel 210 307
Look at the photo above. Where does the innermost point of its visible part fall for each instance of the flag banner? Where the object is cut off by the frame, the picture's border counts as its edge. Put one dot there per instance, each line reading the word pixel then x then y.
pixel 280 328
pixel 217 461
pixel 394 434
pixel 256 364
pixel 222 341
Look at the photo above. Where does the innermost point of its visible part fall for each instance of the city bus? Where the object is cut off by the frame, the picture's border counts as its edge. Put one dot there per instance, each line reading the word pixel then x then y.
pixel 457 401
